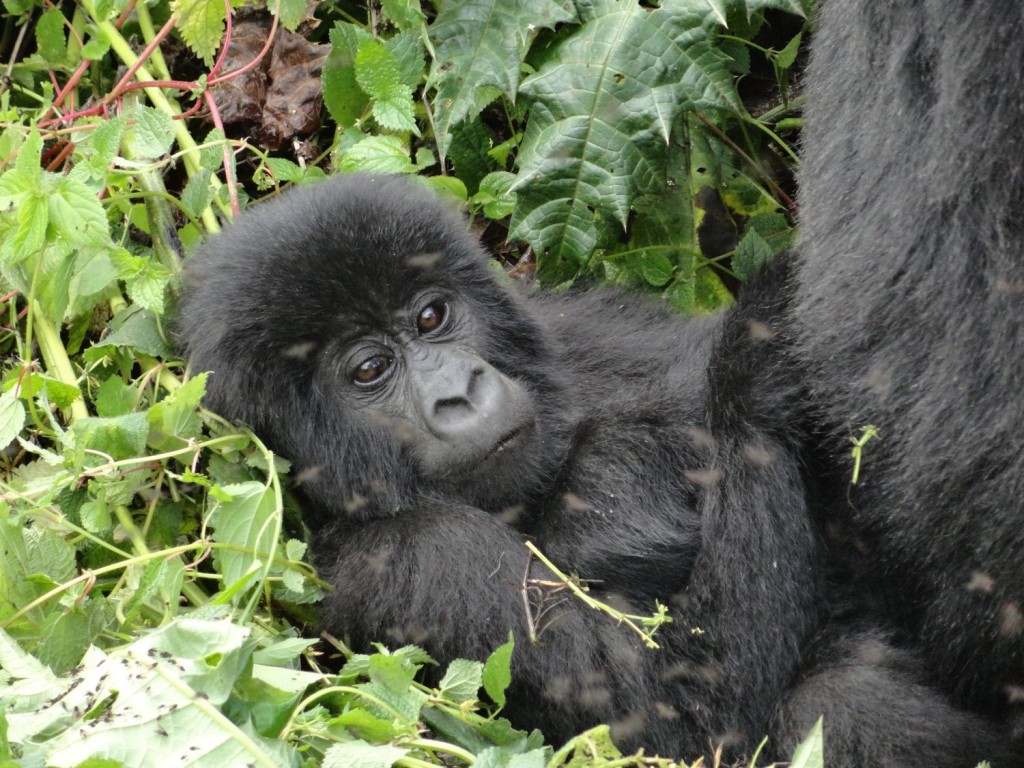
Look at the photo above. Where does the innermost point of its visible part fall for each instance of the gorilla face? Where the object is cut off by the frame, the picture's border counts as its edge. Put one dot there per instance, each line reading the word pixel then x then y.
pixel 456 416
pixel 377 352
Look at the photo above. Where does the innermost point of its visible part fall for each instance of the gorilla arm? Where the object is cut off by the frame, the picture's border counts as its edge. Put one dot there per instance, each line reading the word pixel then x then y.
pixel 454 580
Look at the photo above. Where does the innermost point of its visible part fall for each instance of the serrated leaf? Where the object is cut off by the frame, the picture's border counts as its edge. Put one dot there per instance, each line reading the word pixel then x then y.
pixel 77 214
pixel 197 193
pixel 174 420
pixel 152 133
pixel 788 54
pixel 655 268
pixel 291 13
pixel 51 42
pixel 243 518
pixel 407 48
pixel 201 25
pixel 343 97
pixel 603 108
pixel 31 217
pixel 136 329
pixel 497 674
pixel 360 754
pixel 378 74
pixel 12 418
pixel 462 681
pixel 377 154
pixel 481 45
pixel 104 142
pixel 404 14
pixel 750 255
pixel 96 47
pixel 114 397
pixel 121 437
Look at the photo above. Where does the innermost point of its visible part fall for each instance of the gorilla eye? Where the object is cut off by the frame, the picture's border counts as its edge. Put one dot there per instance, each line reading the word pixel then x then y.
pixel 372 370
pixel 432 316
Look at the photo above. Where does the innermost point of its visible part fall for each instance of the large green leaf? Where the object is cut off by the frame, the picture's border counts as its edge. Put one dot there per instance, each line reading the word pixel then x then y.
pixel 602 109
pixel 479 50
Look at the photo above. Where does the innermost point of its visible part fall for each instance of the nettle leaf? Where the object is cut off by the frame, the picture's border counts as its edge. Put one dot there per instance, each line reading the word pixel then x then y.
pixel 150 703
pixel 462 681
pixel 343 97
pixel 201 25
pixel 360 754
pixel 603 107
pixel 77 214
pixel 480 46
pixel 12 417
pixel 120 437
pixel 403 13
pixel 50 39
pixel 497 674
pixel 174 420
pixel 379 75
pixel 152 134
pixel 245 518
pixel 378 154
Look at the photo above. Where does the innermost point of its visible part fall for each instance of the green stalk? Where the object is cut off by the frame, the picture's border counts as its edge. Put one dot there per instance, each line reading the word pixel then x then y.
pixel 56 359
pixel 165 105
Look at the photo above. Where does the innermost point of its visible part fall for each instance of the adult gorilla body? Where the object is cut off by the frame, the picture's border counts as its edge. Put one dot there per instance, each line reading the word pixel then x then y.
pixel 434 418
pixel 909 316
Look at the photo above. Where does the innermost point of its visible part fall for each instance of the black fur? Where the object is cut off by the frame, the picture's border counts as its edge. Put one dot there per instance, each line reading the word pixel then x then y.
pixel 668 465
pixel 909 315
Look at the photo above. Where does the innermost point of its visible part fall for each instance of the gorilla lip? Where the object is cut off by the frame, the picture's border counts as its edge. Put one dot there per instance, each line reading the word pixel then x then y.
pixel 505 441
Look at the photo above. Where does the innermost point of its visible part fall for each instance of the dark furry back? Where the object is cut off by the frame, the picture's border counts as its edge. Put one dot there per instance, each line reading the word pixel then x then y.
pixel 909 312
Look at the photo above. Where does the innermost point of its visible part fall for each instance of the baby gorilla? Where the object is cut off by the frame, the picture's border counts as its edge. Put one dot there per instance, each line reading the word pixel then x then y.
pixel 436 418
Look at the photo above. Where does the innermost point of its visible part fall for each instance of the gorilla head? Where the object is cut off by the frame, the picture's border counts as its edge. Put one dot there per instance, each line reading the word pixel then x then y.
pixel 360 315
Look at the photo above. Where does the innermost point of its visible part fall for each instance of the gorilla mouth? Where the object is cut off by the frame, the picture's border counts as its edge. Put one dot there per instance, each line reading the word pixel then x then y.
pixel 505 441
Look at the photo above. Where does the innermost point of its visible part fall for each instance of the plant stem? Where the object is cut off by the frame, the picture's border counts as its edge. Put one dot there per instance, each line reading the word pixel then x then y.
pixel 161 102
pixel 58 364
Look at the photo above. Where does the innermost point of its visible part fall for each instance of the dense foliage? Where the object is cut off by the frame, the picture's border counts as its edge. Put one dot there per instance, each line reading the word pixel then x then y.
pixel 153 589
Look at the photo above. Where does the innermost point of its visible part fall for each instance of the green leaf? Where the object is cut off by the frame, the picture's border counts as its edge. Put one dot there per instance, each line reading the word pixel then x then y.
pixel 462 681
pixel 77 214
pixel 32 217
pixel 378 74
pixel 404 14
pixel 655 267
pixel 120 437
pixel 137 330
pixel 291 13
pixel 811 751
pixel 377 154
pixel 750 255
pixel 12 418
pixel 201 25
pixel 497 675
pixel 496 194
pixel 788 54
pixel 151 702
pixel 359 754
pixel 175 420
pixel 51 42
pixel 344 99
pixel 197 193
pixel 114 397
pixel 479 48
pixel 152 134
pixel 244 517
pixel 604 103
